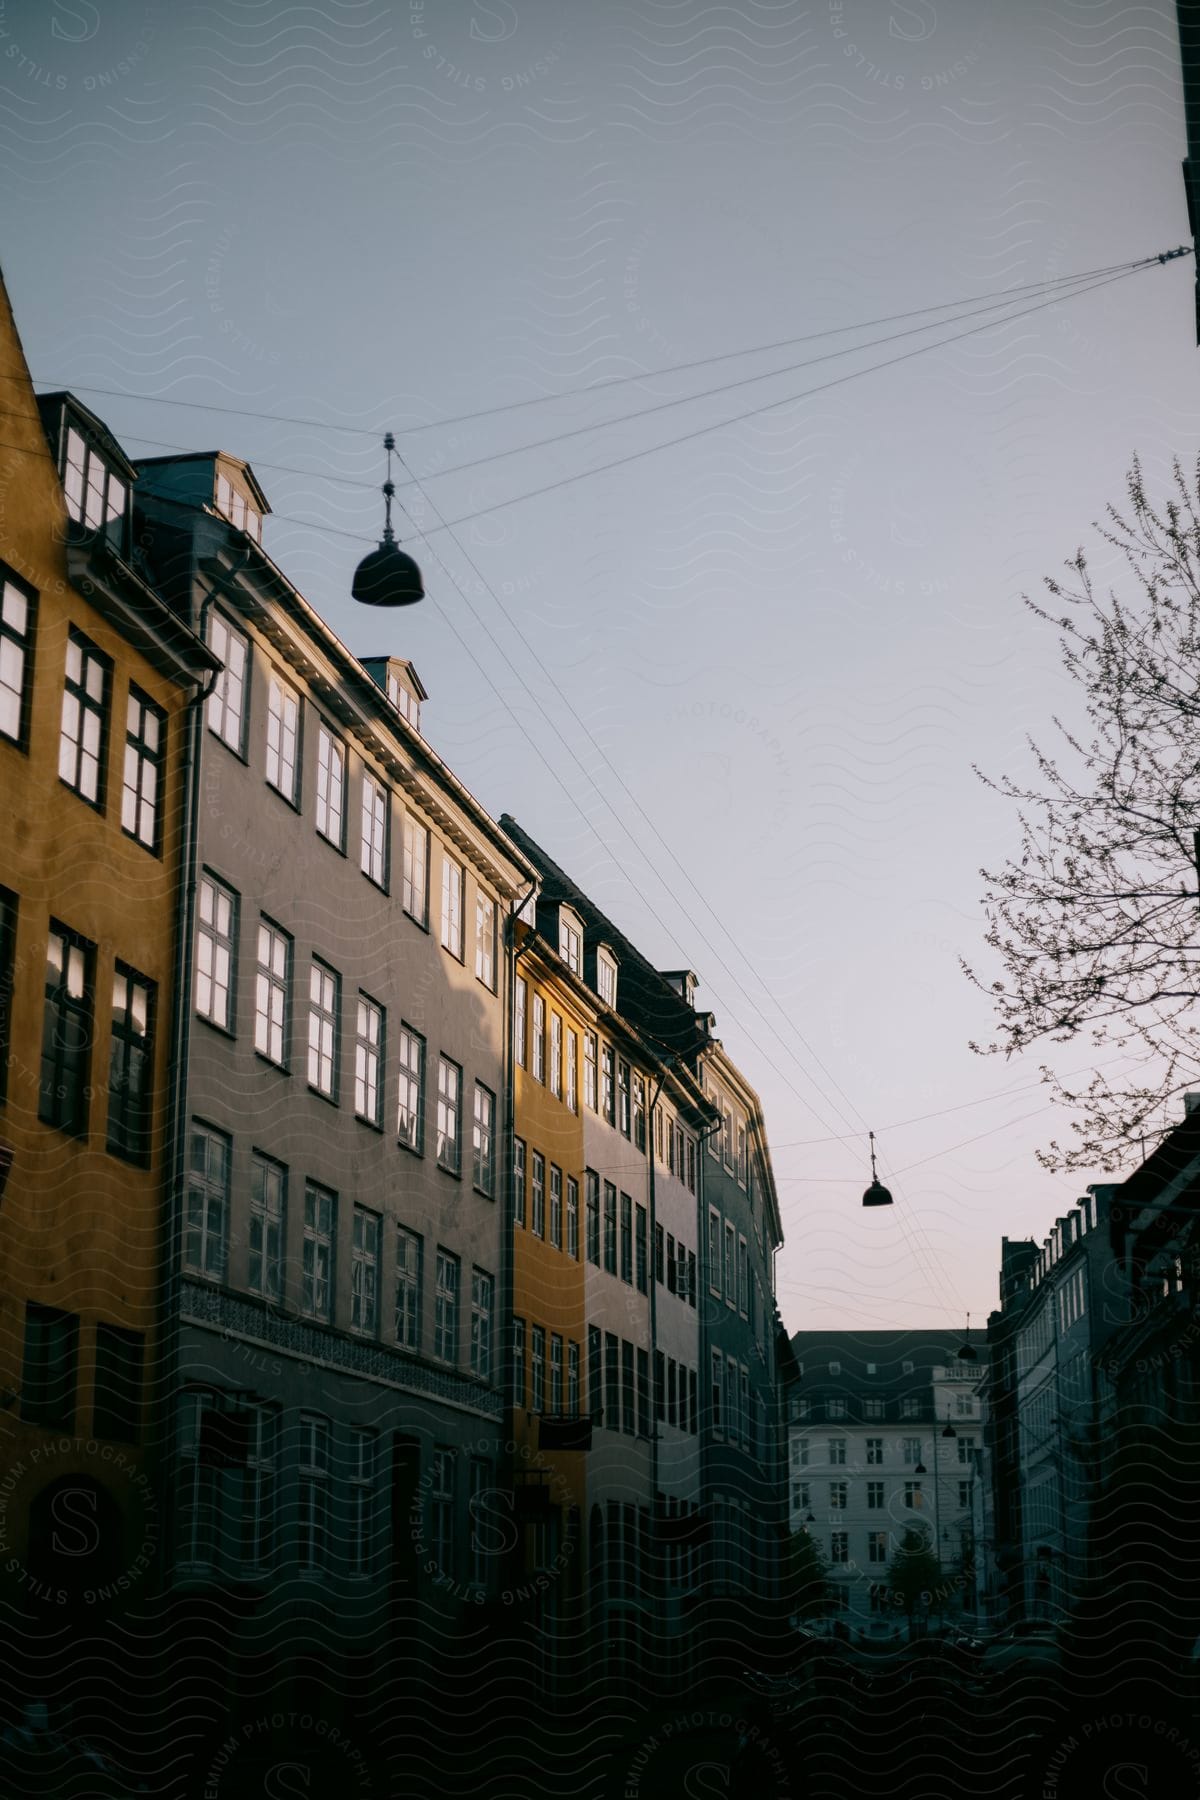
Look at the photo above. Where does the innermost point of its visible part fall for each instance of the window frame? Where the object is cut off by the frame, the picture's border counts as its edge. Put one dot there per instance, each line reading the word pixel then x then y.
pixel 375 831
pixel 366 1052
pixel 324 808
pixel 413 1141
pixel 415 893
pixel 318 1237
pixel 25 640
pixel 265 1220
pixel 365 1258
pixel 266 973
pixel 133 1138
pixel 324 1020
pixel 454 888
pixel 146 756
pixel 77 689
pixel 228 943
pixel 277 722
pixel 449 1107
pixel 67 1113
pixel 483 1141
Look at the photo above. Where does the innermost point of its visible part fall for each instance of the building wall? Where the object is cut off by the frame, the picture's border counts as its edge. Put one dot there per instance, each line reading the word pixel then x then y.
pixel 79 1226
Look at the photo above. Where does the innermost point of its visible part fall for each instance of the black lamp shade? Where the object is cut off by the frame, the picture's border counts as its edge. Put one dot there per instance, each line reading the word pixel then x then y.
pixel 387 576
pixel 877 1195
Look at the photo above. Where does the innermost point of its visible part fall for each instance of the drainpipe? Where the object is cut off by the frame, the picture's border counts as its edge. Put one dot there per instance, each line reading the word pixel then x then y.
pixel 172 1269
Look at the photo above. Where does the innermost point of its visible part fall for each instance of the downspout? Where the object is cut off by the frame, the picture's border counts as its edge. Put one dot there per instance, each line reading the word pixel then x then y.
pixel 172 1273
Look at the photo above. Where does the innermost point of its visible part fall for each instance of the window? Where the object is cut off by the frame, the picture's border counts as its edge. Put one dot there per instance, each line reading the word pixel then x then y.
pixel 690 1176
pixel 872 1368
pixel 375 814
pixel 572 1378
pixel 592 1186
pixel 283 738
pixel 912 1495
pixel 590 1052
pixel 835 1409
pixel 643 1393
pixel 537 1209
pixel 452 906
pixel 362 1500
pixel 872 1409
pixel 449 1143
pixel 445 1309
pixel 313 1493
pixel 875 1450
pixel 839 1547
pixel 364 1273
pixel 323 1006
pixel 67 1029
pixel 718 1390
pixel 416 871
pixel 743 1279
pixel 692 1289
pixel 623 1119
pixel 606 978
pixel 628 1390
pixel 910 1407
pixel 518 1181
pixel 268 1201
pixel 837 1450
pixel 800 1452
pixel 271 992
pixel 610 1228
pixel 877 1542
pixel 520 1006
pixel 556 1206
pixel 964 1496
pixel 741 1155
pixel 966 1449
pixel 481 1324
pixel 639 1111
pixel 801 1499
pixel 607 1096
pixel 572 1217
pixel 875 1496
pixel 642 1250
pixel 145 734
pixel 237 509
pixel 556 1373
pixel 730 1270
pixel 627 1239
pixel 714 1251
pixel 912 1450
pixel 538 1065
pixel 572 1058
pixel 216 932
pixel 331 787
pixel 837 1495
pixel 408 1288
pixel 320 1207
pixel 95 494
pixel 556 1055
pixel 206 1243
pixel 50 1367
pixel 964 1406
pixel 537 1368
pixel 595 1401
pixel 117 1405
pixel 368 1052
pixel 16 644
pixel 410 1089
pixel 519 1387
pixel 441 1520
pixel 130 1066
pixel 906 1368
pixel 482 1139
pixel 612 1382
pixel 570 941
pixel 84 714
pixel 485 939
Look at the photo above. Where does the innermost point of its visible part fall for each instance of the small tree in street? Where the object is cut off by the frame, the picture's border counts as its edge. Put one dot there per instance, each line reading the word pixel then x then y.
pixel 1095 921
pixel 805 1585
pixel 914 1577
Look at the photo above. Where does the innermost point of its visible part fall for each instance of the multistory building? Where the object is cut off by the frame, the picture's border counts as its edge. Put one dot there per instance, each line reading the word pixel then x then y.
pixel 339 1253
pixel 97 677
pixel 883 1435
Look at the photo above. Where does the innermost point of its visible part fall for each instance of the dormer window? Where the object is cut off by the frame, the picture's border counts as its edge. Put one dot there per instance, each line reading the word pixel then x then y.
pixel 97 497
pixel 570 941
pixel 237 509
pixel 606 977
pixel 404 700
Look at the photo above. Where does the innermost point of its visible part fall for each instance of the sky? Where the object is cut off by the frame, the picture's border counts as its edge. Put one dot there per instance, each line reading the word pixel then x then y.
pixel 735 676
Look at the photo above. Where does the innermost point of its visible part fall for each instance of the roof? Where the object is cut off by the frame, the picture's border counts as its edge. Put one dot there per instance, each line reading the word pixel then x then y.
pixel 888 1351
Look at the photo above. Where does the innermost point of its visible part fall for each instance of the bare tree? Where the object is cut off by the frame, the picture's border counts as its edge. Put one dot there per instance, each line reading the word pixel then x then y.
pixel 1096 922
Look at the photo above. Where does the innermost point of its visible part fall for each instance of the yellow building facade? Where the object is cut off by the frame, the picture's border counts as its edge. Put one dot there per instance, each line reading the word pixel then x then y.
pixel 550 1427
pixel 96 676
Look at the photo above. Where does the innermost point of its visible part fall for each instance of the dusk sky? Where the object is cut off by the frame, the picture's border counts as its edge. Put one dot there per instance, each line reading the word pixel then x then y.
pixel 736 686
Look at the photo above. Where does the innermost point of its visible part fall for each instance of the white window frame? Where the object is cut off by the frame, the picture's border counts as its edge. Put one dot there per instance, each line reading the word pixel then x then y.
pixel 520 1012
pixel 268 1226
pixel 318 1253
pixel 406 1322
pixel 330 805
pixel 376 811
pixel 324 1019
pixel 210 1231
pixel 410 1090
pixel 445 1307
pixel 572 1061
pixel 570 939
pixel 449 1116
pixel 216 951
pixel 485 939
pixel 271 1022
pixel 606 978
pixel 283 738
pixel 483 1139
pixel 453 888
pixel 537 1065
pixel 556 1055
pixel 416 871
pixel 227 708
pixel 366 1228
pixel 368 1060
